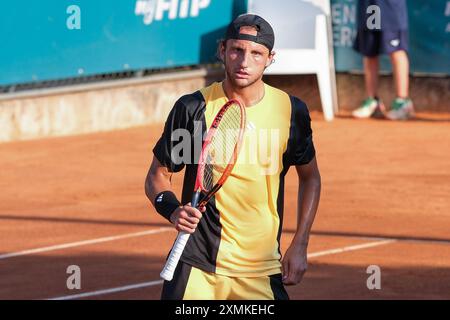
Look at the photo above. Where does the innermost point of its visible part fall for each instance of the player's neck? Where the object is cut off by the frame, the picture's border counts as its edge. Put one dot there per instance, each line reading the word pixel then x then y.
pixel 249 96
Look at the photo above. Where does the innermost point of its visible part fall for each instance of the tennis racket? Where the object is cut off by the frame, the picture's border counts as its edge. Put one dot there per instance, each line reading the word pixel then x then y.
pixel 217 159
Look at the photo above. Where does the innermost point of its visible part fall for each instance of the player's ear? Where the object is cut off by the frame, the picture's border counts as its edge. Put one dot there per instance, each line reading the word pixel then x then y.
pixel 221 50
pixel 271 59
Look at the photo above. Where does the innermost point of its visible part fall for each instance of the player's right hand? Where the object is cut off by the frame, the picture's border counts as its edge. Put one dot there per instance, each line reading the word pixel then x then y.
pixel 186 218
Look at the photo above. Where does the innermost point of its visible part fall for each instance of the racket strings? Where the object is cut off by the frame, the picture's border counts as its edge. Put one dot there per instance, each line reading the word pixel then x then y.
pixel 221 150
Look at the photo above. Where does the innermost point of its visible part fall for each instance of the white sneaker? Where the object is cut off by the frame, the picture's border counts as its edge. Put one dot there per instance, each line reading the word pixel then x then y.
pixel 402 109
pixel 369 107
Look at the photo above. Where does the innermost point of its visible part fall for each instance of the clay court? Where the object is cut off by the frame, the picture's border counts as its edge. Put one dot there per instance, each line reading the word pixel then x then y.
pixel 80 201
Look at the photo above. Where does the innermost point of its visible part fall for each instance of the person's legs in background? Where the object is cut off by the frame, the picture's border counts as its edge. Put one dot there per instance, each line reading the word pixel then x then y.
pixel 400 68
pixel 371 66
pixel 389 37
pixel 368 44
pixel 402 107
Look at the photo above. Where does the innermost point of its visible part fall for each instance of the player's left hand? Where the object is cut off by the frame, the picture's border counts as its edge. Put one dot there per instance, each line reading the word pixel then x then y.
pixel 294 265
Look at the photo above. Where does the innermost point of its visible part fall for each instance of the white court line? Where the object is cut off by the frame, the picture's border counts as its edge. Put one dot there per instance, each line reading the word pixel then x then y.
pixel 112 290
pixel 83 243
pixel 350 248
pixel 158 282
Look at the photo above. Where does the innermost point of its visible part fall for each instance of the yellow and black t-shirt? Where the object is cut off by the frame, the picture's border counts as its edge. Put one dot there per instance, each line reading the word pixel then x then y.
pixel 240 231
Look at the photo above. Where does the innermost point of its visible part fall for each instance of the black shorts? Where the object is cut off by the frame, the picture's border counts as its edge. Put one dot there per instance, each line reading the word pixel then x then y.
pixel 373 43
pixel 190 283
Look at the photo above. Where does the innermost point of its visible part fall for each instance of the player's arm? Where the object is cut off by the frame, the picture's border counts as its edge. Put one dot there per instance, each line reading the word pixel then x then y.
pixel 158 188
pixel 158 180
pixel 294 262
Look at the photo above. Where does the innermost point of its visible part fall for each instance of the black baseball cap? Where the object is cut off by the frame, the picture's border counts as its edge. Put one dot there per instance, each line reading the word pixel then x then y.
pixel 264 35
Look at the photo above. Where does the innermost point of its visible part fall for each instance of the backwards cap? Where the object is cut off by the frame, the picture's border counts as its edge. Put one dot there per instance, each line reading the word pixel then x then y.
pixel 264 31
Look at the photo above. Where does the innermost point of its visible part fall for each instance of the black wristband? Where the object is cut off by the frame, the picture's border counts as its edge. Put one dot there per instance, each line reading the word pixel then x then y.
pixel 165 203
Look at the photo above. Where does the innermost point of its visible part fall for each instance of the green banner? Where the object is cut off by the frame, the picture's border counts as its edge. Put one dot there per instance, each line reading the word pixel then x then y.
pixel 56 39
pixel 50 40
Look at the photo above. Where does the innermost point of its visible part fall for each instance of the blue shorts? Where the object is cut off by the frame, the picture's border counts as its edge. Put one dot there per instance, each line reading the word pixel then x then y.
pixel 373 43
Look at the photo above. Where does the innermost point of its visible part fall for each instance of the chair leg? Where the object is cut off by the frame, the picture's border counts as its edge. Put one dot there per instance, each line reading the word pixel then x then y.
pixel 326 95
pixel 325 74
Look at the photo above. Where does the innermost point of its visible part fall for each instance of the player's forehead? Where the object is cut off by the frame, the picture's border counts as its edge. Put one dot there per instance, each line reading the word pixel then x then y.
pixel 247 45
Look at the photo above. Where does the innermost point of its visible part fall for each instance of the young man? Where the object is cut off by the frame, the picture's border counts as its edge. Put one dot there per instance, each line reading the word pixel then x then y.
pixel 392 39
pixel 234 248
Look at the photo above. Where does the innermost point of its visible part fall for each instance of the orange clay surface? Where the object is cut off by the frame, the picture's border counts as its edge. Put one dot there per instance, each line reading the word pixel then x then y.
pixel 384 184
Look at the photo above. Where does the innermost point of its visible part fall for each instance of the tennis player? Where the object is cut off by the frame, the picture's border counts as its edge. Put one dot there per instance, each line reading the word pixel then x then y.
pixel 234 248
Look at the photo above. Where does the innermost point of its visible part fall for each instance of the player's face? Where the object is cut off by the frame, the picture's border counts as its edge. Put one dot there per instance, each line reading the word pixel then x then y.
pixel 245 61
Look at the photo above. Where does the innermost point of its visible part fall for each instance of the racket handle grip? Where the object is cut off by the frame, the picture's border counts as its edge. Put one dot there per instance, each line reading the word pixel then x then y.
pixel 174 257
pixel 178 247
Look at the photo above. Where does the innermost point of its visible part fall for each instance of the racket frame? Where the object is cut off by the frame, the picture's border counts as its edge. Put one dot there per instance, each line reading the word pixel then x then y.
pixel 197 199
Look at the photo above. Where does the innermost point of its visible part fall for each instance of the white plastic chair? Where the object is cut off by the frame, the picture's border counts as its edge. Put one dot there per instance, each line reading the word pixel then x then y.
pixel 303 43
